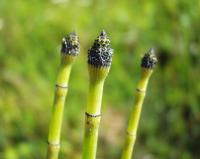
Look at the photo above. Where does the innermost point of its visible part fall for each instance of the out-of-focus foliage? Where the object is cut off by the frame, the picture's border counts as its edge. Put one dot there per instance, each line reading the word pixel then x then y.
pixel 30 34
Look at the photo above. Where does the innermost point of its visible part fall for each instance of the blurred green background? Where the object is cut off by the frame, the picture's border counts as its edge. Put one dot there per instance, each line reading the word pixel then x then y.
pixel 30 36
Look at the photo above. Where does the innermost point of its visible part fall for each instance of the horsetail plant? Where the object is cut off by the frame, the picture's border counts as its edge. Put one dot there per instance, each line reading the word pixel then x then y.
pixel 69 51
pixel 99 62
pixel 148 63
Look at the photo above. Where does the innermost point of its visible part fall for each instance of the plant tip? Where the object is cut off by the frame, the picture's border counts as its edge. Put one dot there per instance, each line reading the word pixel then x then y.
pixel 70 44
pixel 149 59
pixel 100 54
pixel 103 33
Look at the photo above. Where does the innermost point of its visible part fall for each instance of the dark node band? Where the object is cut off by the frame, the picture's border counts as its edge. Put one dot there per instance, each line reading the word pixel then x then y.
pixel 130 134
pixel 140 90
pixel 53 144
pixel 92 115
pixel 63 87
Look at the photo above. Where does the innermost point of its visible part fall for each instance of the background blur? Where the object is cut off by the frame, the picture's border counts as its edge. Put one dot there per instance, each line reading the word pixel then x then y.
pixel 30 36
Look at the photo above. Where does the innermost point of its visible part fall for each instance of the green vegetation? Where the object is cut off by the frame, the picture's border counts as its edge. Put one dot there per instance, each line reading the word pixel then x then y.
pixel 30 32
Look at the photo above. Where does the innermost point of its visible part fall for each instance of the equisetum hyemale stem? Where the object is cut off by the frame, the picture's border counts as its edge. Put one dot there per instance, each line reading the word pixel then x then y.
pixel 148 63
pixel 69 51
pixel 99 62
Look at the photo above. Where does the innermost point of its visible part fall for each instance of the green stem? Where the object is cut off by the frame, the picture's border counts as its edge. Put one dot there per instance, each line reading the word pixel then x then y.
pixel 95 97
pixel 58 108
pixel 92 121
pixel 135 114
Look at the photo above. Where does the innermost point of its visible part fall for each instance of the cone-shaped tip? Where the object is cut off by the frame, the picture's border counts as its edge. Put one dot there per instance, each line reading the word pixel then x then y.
pixel 100 54
pixel 103 33
pixel 70 44
pixel 149 59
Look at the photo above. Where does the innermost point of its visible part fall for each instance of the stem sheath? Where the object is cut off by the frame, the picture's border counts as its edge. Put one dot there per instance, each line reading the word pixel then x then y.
pixel 92 120
pixel 135 114
pixel 58 109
